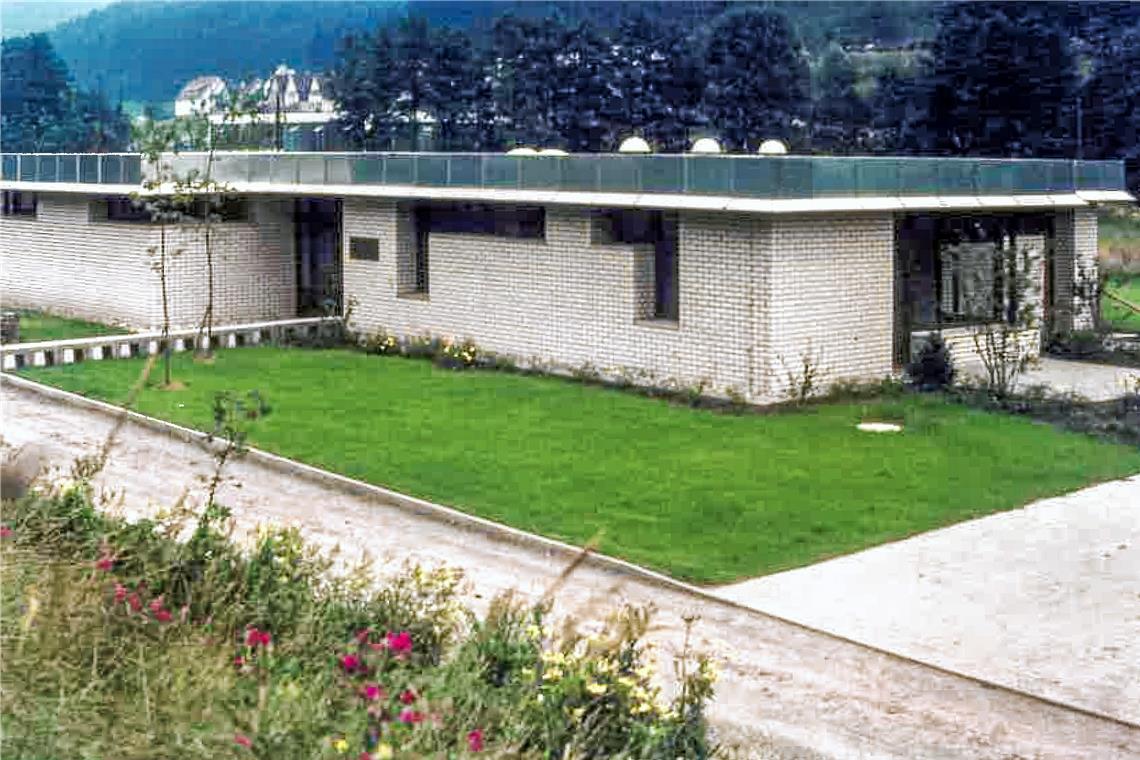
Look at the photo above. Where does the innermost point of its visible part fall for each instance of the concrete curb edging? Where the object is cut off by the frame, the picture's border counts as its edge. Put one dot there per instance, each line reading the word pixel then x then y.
pixel 505 533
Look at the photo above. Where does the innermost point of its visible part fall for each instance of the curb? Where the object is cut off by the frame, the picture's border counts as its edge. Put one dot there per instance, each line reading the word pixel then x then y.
pixel 506 534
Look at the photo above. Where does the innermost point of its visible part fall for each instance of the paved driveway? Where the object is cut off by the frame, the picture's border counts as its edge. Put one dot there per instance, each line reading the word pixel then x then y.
pixel 1044 598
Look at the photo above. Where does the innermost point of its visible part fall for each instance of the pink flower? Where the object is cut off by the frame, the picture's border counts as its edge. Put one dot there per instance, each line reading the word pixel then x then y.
pixel 242 741
pixel 135 602
pixel 105 563
pixel 475 740
pixel 350 663
pixel 373 692
pixel 362 635
pixel 156 604
pixel 255 637
pixel 376 646
pixel 364 756
pixel 163 616
pixel 400 643
pixel 407 696
pixel 5 531
pixel 120 593
pixel 239 661
pixel 411 716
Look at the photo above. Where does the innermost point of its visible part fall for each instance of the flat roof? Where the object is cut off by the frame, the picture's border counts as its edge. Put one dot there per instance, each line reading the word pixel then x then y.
pixel 714 182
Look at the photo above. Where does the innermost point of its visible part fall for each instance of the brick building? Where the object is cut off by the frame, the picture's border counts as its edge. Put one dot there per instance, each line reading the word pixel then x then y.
pixel 715 269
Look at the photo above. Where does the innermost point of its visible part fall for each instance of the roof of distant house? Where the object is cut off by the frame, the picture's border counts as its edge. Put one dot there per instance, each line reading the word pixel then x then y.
pixel 200 87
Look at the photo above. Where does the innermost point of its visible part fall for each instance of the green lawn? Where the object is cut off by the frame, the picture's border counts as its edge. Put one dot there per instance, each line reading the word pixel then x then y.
pixel 702 496
pixel 1116 314
pixel 38 325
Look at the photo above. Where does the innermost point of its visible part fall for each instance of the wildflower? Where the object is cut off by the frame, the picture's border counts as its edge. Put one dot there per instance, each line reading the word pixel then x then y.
pixel 120 593
pixel 364 756
pixel 373 692
pixel 243 741
pixel 163 616
pixel 239 661
pixel 362 635
pixel 134 602
pixel 595 688
pixel 5 531
pixel 255 637
pixel 641 708
pixel 526 674
pixel 552 674
pixel 400 643
pixel 156 604
pixel 577 713
pixel 411 716
pixel 533 631
pixel 105 563
pixel 383 752
pixel 340 745
pixel 626 681
pixel 407 696
pixel 475 740
pixel 350 663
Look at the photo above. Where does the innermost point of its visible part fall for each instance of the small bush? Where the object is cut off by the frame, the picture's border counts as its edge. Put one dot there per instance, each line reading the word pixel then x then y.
pixel 932 368
pixel 381 342
pixel 456 355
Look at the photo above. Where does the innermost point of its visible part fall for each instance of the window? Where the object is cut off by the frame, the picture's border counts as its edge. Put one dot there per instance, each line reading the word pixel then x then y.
pixel 364 249
pixel 17 203
pixel 126 210
pixel 226 209
pixel 485 219
pixel 658 263
pixel 629 226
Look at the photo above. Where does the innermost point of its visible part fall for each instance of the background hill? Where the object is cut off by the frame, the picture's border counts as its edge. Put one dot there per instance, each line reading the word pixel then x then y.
pixel 145 51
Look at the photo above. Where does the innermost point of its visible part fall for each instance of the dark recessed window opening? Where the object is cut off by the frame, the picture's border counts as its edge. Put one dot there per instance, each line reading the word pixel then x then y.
pixel 666 275
pixel 422 222
pixel 364 248
pixel 17 203
pixel 486 219
pixel 126 210
pixel 629 226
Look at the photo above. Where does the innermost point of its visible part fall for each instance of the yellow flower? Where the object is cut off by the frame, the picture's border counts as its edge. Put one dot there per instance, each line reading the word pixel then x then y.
pixel 577 713
pixel 552 674
pixel 595 688
pixel 626 681
pixel 341 745
pixel 641 708
pixel 533 631
pixel 383 752
pixel 526 673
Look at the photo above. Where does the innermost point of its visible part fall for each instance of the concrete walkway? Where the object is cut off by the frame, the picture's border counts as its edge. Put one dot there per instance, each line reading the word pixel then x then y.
pixel 785 691
pixel 1045 599
pixel 1096 382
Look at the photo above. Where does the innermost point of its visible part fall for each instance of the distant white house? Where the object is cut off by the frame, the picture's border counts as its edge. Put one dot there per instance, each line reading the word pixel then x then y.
pixel 201 95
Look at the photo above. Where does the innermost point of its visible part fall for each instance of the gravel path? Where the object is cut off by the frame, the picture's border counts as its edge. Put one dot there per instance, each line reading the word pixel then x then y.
pixel 785 691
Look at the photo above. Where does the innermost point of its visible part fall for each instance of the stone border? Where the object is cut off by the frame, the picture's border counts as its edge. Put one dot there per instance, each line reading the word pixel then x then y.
pixel 506 534
pixel 125 345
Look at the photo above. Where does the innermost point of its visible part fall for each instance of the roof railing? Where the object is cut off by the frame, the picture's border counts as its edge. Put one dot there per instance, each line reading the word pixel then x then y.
pixel 788 176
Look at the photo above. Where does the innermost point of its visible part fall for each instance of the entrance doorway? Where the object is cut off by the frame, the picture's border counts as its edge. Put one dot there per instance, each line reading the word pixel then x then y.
pixel 319 276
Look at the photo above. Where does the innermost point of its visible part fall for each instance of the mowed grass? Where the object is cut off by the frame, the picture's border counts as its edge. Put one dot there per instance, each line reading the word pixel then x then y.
pixel 37 325
pixel 1117 314
pixel 700 495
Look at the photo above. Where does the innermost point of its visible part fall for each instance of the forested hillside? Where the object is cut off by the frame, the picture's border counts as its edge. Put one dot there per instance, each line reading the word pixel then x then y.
pixel 146 51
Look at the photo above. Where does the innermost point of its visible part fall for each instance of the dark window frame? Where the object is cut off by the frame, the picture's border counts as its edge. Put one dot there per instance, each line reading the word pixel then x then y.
pixel 370 245
pixel 15 204
pixel 522 221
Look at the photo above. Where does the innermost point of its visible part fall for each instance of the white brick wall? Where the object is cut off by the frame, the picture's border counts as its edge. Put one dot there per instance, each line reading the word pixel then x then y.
pixel 1075 269
pixel 748 287
pixel 829 295
pixel 65 262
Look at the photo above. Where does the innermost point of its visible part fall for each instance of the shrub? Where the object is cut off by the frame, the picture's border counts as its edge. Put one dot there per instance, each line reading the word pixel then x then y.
pixel 380 342
pixel 120 640
pixel 932 368
pixel 452 355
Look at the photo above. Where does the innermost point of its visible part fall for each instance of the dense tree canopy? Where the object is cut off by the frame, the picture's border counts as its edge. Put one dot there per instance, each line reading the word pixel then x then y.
pixel 41 112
